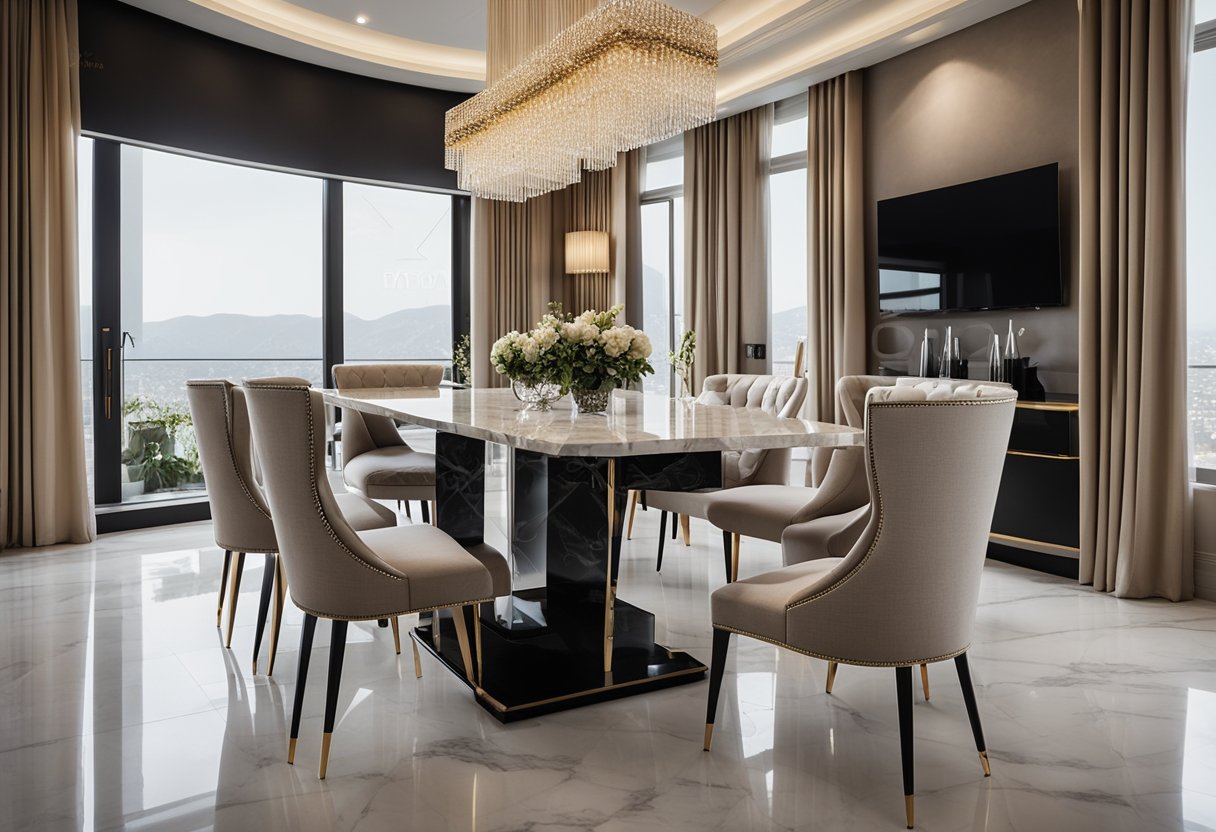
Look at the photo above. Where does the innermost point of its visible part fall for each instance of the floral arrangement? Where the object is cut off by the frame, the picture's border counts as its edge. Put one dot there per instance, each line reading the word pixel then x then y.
pixel 575 353
pixel 460 360
pixel 683 359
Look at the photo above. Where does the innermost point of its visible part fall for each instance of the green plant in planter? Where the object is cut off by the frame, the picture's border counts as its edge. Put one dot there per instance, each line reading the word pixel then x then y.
pixel 460 361
pixel 154 430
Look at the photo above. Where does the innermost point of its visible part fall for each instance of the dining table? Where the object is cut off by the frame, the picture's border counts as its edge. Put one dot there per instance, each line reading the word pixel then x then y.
pixel 574 640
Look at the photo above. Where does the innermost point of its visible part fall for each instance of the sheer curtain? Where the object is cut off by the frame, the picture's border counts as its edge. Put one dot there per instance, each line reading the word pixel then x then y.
pixel 836 280
pixel 1136 524
pixel 726 239
pixel 44 495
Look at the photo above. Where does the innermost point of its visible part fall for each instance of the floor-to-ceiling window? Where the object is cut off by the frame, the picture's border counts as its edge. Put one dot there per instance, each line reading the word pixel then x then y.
pixel 221 278
pixel 198 268
pixel 787 232
pixel 663 258
pixel 397 274
pixel 1201 245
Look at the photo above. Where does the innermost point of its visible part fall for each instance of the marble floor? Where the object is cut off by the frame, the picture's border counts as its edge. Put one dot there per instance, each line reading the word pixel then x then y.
pixel 120 709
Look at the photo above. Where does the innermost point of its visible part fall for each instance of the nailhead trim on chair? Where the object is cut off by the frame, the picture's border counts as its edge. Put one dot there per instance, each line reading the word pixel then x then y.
pixel 825 657
pixel 878 493
pixel 312 481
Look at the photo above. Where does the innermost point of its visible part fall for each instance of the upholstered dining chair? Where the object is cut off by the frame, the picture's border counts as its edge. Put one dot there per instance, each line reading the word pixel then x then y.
pixel 376 461
pixel 337 573
pixel 781 396
pixel 240 514
pixel 906 592
pixel 835 484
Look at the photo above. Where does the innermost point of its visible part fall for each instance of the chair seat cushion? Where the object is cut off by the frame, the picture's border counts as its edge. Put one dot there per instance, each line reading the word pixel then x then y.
pixel 761 511
pixel 442 573
pixel 396 465
pixel 363 514
pixel 758 605
pixel 692 503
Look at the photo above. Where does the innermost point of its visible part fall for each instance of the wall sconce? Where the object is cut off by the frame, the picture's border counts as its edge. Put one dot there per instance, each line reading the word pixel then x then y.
pixel 587 252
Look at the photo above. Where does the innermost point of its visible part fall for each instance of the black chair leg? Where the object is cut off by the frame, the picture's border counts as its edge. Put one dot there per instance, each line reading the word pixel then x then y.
pixel 717 667
pixel 642 500
pixel 903 682
pixel 426 511
pixel 337 651
pixel 381 623
pixel 973 711
pixel 726 552
pixel 408 515
pixel 662 539
pixel 675 525
pixel 219 607
pixel 263 607
pixel 310 626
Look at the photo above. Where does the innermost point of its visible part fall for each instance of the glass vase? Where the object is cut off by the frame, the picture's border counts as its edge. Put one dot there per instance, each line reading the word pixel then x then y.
pixel 536 395
pixel 592 400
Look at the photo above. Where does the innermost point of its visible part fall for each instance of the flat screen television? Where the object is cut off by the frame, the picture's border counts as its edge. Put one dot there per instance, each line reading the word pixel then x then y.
pixel 989 244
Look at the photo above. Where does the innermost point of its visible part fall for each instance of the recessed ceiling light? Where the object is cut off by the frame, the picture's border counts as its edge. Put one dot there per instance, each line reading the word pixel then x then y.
pixel 361 19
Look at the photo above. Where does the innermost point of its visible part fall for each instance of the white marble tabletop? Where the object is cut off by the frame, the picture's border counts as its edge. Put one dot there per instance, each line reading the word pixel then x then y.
pixel 635 423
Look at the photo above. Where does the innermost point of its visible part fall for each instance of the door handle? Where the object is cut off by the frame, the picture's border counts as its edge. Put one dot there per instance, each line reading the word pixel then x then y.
pixel 108 386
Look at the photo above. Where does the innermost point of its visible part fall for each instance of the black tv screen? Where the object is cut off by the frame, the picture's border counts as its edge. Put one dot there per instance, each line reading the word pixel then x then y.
pixel 989 244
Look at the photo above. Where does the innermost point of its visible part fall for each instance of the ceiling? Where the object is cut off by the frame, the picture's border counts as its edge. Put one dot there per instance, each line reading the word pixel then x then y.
pixel 770 49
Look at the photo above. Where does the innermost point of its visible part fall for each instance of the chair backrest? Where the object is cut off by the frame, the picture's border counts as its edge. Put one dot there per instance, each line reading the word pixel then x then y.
pixel 239 512
pixel 327 564
pixel 851 396
pixel 781 396
pixel 363 432
pixel 907 590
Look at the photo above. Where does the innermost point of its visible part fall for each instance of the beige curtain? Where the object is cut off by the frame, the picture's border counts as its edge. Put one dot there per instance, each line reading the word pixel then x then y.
pixel 836 284
pixel 627 235
pixel 42 467
pixel 512 264
pixel 1136 530
pixel 726 239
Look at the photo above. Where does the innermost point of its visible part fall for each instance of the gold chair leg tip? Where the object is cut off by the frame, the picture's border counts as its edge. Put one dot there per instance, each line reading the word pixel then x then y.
pixel 291 752
pixel 985 764
pixel 325 738
pixel 709 735
pixel 910 809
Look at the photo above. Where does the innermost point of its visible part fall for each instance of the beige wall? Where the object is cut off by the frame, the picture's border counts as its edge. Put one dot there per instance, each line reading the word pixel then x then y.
pixel 997 97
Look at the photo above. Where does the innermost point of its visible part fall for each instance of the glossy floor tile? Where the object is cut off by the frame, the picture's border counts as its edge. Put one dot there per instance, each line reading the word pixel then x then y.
pixel 120 709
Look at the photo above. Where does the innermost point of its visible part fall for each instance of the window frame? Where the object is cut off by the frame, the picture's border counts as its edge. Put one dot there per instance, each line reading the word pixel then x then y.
pixel 662 151
pixel 1205 38
pixel 784 111
pixel 104 336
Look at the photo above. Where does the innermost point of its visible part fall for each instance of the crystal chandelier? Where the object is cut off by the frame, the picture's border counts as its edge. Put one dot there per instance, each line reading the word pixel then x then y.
pixel 629 73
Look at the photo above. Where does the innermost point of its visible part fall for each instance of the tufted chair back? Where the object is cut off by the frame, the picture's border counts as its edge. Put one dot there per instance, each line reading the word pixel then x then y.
pixel 239 512
pixel 363 432
pixel 781 396
pixel 934 459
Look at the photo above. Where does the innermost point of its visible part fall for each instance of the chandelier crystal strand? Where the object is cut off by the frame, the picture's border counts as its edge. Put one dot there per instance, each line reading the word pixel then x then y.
pixel 629 73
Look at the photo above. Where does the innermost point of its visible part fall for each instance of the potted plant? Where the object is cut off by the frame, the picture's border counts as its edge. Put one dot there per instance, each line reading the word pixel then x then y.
pixel 460 361
pixel 154 431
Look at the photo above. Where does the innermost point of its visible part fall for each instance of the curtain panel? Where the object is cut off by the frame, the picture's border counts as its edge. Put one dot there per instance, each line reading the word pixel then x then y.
pixel 1136 526
pixel 726 239
pixel 519 257
pixel 836 280
pixel 45 495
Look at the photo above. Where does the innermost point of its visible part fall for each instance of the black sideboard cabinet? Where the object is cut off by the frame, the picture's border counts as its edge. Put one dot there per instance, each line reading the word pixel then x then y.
pixel 1037 519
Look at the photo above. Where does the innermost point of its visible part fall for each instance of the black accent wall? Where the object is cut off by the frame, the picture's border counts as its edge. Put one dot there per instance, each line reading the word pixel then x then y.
pixel 145 78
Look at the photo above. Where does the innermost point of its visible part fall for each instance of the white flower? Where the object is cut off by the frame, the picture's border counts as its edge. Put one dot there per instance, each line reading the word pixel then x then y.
pixel 529 349
pixel 580 331
pixel 545 337
pixel 641 347
pixel 616 340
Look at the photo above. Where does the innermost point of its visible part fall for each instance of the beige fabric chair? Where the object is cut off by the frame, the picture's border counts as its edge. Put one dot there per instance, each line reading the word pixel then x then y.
pixel 905 594
pixel 376 461
pixel 239 512
pixel 835 484
pixel 781 396
pixel 342 575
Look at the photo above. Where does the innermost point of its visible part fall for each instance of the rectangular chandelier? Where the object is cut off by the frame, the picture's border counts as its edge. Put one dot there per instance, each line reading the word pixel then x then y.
pixel 629 73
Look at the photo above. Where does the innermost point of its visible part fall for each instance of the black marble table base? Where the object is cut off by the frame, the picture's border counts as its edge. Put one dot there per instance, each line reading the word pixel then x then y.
pixel 533 669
